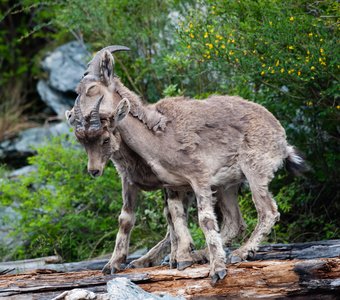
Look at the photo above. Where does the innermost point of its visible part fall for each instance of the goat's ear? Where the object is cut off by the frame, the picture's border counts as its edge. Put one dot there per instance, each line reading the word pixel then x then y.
pixel 69 115
pixel 107 68
pixel 122 110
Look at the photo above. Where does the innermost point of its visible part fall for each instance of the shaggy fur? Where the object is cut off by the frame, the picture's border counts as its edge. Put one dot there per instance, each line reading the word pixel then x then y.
pixel 221 141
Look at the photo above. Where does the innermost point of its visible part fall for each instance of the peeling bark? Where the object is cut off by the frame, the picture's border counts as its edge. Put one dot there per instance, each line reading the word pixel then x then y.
pixel 257 279
pixel 305 269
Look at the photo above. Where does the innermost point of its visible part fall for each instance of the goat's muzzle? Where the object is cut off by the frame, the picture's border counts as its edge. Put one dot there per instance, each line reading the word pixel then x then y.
pixel 95 172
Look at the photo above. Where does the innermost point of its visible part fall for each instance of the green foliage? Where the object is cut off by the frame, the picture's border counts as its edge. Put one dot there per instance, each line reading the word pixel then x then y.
pixel 63 210
pixel 280 54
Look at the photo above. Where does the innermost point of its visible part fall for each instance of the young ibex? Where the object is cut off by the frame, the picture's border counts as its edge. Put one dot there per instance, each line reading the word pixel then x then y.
pixel 218 142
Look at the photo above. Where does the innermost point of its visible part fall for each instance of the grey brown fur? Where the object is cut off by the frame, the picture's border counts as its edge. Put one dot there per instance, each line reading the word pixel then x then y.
pixel 219 142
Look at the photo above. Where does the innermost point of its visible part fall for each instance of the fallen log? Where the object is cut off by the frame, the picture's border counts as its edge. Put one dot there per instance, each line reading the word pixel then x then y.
pixel 253 279
pixel 309 250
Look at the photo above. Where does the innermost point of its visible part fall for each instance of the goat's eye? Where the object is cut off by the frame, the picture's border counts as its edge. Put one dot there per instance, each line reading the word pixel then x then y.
pixel 92 90
pixel 106 141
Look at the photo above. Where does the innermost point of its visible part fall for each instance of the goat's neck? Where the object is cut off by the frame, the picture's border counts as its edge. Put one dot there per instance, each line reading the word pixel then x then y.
pixel 138 137
pixel 134 167
pixel 145 113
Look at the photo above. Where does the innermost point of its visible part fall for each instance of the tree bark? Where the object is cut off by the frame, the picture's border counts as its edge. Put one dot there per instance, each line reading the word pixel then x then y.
pixel 271 278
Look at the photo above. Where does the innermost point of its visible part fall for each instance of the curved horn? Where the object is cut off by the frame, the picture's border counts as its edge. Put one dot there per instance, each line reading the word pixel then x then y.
pixel 93 65
pixel 114 48
pixel 94 122
pixel 79 118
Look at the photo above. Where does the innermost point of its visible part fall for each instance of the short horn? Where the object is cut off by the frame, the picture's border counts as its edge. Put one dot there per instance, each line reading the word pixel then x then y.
pixel 95 123
pixel 79 118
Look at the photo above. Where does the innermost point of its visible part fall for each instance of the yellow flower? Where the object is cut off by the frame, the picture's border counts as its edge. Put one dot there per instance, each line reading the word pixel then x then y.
pixel 231 52
pixel 219 37
pixel 277 63
pixel 223 46
pixel 338 107
pixel 237 60
pixel 192 35
pixel 309 103
pixel 299 73
pixel 188 46
pixel 209 45
pixel 310 34
pixel 272 71
pixel 282 70
pixel 262 73
pixel 262 58
pixel 308 53
pixel 206 35
pixel 290 47
pixel 263 65
pixel 291 71
pixel 190 25
pixel 244 52
pixel 312 68
pixel 233 41
pixel 291 19
pixel 270 23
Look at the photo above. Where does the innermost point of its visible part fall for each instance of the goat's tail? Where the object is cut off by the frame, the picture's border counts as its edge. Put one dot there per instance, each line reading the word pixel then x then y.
pixel 295 163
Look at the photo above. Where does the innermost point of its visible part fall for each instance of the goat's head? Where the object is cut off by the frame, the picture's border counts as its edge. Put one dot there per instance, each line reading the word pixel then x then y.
pixel 94 116
pixel 98 132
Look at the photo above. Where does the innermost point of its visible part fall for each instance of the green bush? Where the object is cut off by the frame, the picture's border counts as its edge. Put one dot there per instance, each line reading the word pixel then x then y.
pixel 64 211
pixel 281 55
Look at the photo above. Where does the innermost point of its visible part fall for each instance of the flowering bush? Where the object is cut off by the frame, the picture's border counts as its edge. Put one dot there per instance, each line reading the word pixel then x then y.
pixel 283 55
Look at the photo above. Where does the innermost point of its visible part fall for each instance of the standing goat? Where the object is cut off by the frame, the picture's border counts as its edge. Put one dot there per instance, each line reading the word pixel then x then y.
pixel 218 142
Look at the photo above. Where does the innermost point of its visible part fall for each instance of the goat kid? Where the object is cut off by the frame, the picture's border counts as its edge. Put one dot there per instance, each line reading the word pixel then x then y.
pixel 220 141
pixel 137 175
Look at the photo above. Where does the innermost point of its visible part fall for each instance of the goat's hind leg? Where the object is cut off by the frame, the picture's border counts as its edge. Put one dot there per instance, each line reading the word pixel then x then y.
pixel 266 209
pixel 155 255
pixel 232 223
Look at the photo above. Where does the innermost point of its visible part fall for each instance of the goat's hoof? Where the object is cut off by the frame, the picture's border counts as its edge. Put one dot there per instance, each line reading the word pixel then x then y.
pixel 184 264
pixel 131 266
pixel 251 254
pixel 173 265
pixel 108 270
pixel 233 259
pixel 219 275
pixel 165 264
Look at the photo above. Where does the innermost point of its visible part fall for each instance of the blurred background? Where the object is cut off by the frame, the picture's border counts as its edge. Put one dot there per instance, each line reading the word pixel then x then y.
pixel 281 54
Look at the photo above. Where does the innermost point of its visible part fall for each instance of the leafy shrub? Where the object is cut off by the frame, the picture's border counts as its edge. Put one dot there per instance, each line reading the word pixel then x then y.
pixel 65 211
pixel 279 54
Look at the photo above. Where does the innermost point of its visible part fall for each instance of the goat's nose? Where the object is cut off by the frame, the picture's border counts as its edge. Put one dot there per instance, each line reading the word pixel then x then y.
pixel 94 173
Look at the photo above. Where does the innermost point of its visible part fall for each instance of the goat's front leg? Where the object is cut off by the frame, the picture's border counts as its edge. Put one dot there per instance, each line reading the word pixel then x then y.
pixel 209 226
pixel 126 222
